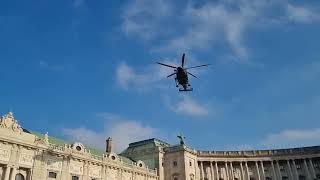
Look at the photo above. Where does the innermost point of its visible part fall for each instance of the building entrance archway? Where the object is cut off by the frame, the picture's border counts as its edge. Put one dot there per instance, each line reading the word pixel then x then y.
pixel 19 177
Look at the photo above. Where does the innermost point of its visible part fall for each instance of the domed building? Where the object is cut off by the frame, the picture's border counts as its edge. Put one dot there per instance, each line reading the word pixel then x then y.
pixel 26 155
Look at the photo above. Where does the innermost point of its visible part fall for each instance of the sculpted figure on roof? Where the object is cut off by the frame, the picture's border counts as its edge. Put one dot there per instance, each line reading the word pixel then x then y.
pixel 8 121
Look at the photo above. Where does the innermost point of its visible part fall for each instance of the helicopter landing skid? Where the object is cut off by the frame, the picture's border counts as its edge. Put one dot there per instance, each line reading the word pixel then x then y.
pixel 191 89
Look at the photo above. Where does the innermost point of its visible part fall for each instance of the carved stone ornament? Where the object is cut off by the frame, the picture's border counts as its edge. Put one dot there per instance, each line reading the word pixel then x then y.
pixel 44 140
pixel 9 122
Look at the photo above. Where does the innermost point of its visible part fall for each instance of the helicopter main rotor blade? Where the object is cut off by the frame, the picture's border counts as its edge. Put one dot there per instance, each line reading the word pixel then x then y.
pixel 193 75
pixel 171 75
pixel 167 65
pixel 182 60
pixel 197 66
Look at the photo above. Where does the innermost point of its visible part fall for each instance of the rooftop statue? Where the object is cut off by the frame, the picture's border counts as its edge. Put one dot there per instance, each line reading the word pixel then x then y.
pixel 8 121
pixel 181 137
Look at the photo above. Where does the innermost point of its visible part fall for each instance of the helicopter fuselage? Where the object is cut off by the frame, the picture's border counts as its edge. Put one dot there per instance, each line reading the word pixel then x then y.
pixel 182 77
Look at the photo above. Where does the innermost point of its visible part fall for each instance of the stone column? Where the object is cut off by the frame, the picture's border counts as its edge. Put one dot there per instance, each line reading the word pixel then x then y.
pixel 211 169
pixel 29 174
pixel 278 170
pixel 257 169
pixel 217 171
pixel 247 168
pixel 306 169
pixel 263 176
pixel 86 170
pixel 241 169
pixel 273 171
pixel 295 170
pixel 312 169
pixel 227 170
pixel 289 168
pixel 7 173
pixel 232 173
pixel 202 172
pixel 13 173
pixel 103 171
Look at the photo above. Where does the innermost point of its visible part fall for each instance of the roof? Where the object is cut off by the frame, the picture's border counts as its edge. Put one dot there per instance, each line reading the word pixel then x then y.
pixel 154 141
pixel 94 151
pixel 60 142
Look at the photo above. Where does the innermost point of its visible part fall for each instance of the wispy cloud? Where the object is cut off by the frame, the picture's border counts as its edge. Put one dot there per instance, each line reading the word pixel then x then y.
pixel 139 78
pixel 172 26
pixel 185 105
pixel 301 14
pixel 292 138
pixel 122 130
pixel 150 12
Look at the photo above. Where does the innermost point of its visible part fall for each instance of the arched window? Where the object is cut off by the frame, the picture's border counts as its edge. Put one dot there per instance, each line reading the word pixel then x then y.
pixel 19 177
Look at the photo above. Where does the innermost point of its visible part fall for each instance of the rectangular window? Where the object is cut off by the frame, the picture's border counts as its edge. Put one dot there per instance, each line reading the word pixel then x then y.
pixel 75 178
pixel 52 175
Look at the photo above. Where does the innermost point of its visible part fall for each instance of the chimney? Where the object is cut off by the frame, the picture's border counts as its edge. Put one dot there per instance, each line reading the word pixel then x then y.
pixel 109 145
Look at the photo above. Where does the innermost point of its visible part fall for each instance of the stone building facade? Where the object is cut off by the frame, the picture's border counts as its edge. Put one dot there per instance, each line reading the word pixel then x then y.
pixel 179 162
pixel 28 155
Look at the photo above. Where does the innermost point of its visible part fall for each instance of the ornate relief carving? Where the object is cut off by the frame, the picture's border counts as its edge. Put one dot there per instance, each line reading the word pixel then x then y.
pixel 9 122
pixel 76 168
pixel 4 155
pixel 95 171
pixel 54 164
pixel 26 159
pixel 44 140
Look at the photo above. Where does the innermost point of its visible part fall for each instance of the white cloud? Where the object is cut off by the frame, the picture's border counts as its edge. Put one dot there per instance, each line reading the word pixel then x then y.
pixel 147 77
pixel 150 12
pixel 293 138
pixel 122 131
pixel 301 14
pixel 179 27
pixel 188 106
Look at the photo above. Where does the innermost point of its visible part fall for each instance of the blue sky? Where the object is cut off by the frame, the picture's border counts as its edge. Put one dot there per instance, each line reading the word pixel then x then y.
pixel 85 70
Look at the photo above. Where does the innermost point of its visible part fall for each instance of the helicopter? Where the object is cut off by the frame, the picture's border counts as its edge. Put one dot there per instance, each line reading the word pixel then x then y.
pixel 182 74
